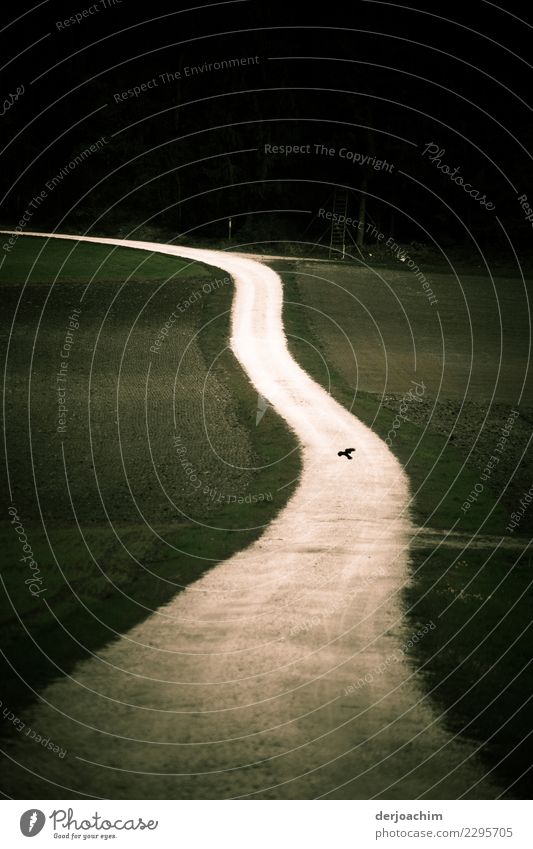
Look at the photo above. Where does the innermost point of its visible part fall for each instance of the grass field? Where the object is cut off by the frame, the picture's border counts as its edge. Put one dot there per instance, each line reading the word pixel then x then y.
pixel 367 334
pixel 477 662
pixel 160 470
pixel 35 260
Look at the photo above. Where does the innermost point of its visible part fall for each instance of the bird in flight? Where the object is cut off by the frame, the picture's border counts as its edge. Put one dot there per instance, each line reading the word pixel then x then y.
pixel 346 453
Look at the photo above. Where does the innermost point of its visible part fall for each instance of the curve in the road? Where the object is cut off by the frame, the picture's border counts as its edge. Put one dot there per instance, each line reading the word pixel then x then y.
pixel 281 673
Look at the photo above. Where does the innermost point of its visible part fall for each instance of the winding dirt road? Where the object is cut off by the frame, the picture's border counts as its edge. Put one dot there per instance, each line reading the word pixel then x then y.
pixel 280 674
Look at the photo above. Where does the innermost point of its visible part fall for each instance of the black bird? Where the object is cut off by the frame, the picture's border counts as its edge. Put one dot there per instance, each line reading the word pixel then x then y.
pixel 346 453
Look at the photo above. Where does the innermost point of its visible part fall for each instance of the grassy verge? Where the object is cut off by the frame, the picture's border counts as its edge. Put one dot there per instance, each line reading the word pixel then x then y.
pixel 142 537
pixel 477 661
pixel 36 260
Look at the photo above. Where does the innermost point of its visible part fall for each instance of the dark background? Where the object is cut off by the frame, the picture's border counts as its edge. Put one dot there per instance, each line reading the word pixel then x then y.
pixel 377 76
